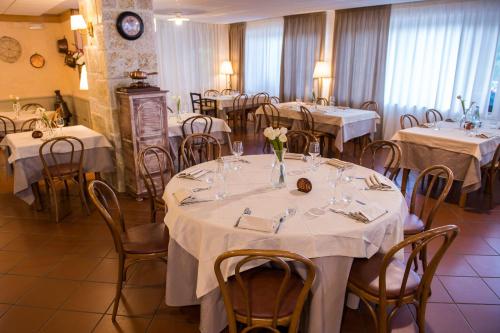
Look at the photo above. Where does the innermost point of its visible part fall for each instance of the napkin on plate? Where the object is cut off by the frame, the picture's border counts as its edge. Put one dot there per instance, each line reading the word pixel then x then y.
pixel 485 135
pixel 294 156
pixel 426 125
pixel 186 197
pixel 339 164
pixel 251 222
pixel 363 213
pixel 193 174
pixel 373 182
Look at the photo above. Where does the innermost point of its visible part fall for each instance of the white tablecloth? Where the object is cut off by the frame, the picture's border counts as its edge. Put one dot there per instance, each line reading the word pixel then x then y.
pixel 463 153
pixel 205 230
pixel 23 116
pixel 345 124
pixel 28 166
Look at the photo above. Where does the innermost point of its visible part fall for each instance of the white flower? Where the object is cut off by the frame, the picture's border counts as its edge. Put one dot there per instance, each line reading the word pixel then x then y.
pixel 282 138
pixel 268 131
pixel 283 130
pixel 276 132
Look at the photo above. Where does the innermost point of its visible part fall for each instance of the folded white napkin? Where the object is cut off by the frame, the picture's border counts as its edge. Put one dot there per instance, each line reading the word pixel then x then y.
pixel 294 156
pixel 362 213
pixel 183 195
pixel 187 197
pixel 485 135
pixel 193 174
pixel 339 164
pixel 426 125
pixel 258 223
pixel 374 182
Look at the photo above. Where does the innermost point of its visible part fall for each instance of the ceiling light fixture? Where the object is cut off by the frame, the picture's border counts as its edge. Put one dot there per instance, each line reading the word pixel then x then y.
pixel 178 19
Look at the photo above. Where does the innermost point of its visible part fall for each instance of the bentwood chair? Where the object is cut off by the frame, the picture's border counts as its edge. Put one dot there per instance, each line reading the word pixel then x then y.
pixel 63 167
pixel 298 141
pixel 139 243
pixel 257 101
pixel 422 214
pixel 198 148
pixel 263 296
pixel 211 93
pixel 228 91
pixel 7 126
pixel 274 100
pixel 308 124
pixel 390 283
pixel 433 115
pixel 369 105
pixel 31 107
pixel 191 125
pixel 489 173
pixel 410 119
pixel 374 151
pixel 238 112
pixel 321 101
pixel 28 125
pixel 156 168
pixel 204 106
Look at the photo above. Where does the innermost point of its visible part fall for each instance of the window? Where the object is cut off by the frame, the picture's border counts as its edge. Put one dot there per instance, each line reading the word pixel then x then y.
pixel 495 78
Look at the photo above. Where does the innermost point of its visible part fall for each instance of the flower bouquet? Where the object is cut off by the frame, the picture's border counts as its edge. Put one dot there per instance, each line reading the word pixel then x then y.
pixel 276 138
pixel 464 122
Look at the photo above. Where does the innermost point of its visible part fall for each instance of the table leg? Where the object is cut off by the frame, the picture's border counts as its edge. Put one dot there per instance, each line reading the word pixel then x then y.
pixel 38 200
pixel 404 181
pixel 463 200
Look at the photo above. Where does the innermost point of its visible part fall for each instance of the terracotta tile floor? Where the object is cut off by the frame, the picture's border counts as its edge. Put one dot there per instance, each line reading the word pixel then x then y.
pixel 60 277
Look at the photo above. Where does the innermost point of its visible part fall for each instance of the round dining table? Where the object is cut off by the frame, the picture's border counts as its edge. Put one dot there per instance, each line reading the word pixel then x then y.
pixel 199 232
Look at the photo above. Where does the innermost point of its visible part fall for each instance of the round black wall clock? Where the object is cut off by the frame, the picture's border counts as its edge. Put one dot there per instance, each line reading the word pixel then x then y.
pixel 129 25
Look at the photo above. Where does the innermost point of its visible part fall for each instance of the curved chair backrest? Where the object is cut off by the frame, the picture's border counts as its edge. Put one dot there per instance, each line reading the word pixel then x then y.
pixel 419 242
pixel 433 115
pixel 411 119
pixel 369 105
pixel 276 258
pixel 307 119
pixel 274 100
pixel 211 93
pixel 156 168
pixel 271 115
pixel 259 99
pixel 429 207
pixel 377 148
pixel 31 107
pixel 29 125
pixel 7 126
pixel 196 124
pixel 198 148
pixel 202 103
pixel 64 154
pixel 495 163
pixel 298 141
pixel 321 101
pixel 104 198
pixel 240 102
pixel 228 91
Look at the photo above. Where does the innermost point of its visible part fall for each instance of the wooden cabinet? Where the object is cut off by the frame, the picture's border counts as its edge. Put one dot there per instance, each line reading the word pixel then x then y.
pixel 143 122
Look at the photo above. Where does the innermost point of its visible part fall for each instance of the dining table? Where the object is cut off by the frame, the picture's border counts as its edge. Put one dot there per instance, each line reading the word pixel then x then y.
pixel 445 142
pixel 23 116
pixel 342 122
pixel 23 151
pixel 201 231
pixel 224 103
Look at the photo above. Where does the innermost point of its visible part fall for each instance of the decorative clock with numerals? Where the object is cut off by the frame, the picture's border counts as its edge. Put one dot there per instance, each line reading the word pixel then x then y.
pixel 10 49
pixel 129 25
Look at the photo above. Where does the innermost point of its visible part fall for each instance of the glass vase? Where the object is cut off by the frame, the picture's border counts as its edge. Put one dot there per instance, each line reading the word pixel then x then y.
pixel 16 107
pixel 278 173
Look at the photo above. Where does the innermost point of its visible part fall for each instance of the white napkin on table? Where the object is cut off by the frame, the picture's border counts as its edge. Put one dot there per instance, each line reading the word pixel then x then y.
pixel 363 213
pixel 257 223
pixel 373 182
pixel 294 156
pixel 186 197
pixel 339 164
pixel 485 135
pixel 193 174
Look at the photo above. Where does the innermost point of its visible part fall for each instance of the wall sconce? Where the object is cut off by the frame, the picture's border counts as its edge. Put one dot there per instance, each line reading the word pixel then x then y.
pixel 227 69
pixel 78 23
pixel 84 83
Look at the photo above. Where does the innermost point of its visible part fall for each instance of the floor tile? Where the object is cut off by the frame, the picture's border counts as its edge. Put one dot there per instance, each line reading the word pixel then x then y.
pixel 482 318
pixel 106 271
pixel 148 273
pixel 471 245
pixel 162 325
pixel 4 308
pixel 7 237
pixel 49 293
pixel 91 297
pixel 441 317
pixel 455 265
pixel 74 267
pixel 469 290
pixel 9 259
pixel 36 265
pixel 494 284
pixel 26 243
pixel 69 321
pixel 122 325
pixel 485 266
pixel 494 243
pixel 438 292
pixel 139 301
pixel 14 287
pixel 20 319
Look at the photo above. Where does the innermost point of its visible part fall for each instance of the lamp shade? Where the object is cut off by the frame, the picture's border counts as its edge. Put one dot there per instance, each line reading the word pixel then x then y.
pixel 321 70
pixel 84 83
pixel 226 68
pixel 78 22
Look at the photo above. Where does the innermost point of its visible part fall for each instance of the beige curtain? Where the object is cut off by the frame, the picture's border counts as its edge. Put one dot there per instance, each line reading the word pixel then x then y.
pixel 359 53
pixel 303 42
pixel 237 54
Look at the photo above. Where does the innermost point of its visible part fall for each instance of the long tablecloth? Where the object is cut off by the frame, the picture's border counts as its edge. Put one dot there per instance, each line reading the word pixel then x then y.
pixel 23 116
pixel 202 231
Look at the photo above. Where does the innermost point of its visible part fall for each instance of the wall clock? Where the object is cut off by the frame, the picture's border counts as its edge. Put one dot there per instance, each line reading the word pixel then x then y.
pixel 129 25
pixel 10 49
pixel 37 60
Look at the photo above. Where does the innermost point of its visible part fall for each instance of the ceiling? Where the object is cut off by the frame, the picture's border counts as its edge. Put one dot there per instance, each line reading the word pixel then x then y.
pixel 212 11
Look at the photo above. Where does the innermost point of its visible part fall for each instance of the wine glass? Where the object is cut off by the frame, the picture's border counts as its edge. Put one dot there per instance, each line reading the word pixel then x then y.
pixel 314 153
pixel 237 152
pixel 59 121
pixel 331 101
pixel 333 180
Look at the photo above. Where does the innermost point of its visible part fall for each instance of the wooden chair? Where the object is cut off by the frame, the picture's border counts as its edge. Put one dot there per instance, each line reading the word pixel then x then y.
pixel 198 148
pixel 143 242
pixel 63 167
pixel 31 107
pixel 156 168
pixel 258 100
pixel 28 125
pixel 228 91
pixel 390 283
pixel 373 150
pixel 274 100
pixel 369 105
pixel 264 296
pixel 211 93
pixel 308 124
pixel 7 126
pixel 422 214
pixel 321 101
pixel 298 141
pixel 238 112
pixel 271 115
pixel 489 173
pixel 204 106
pixel 408 118
pixel 433 115
pixel 191 125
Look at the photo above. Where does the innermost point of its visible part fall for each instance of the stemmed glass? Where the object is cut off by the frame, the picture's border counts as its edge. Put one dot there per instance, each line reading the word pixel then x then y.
pixel 59 121
pixel 237 151
pixel 314 153
pixel 334 177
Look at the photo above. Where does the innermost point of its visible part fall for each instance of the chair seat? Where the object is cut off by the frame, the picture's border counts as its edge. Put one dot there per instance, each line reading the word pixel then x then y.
pixel 365 275
pixel 63 169
pixel 263 285
pixel 146 238
pixel 413 225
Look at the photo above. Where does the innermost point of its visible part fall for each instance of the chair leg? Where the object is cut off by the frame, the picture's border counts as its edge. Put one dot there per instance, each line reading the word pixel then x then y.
pixel 421 316
pixel 66 187
pixel 119 285
pixel 55 202
pixel 82 195
pixel 152 211
pixel 382 319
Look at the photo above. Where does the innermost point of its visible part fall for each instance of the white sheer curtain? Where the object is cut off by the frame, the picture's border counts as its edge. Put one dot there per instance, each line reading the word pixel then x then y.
pixel 436 51
pixel 263 44
pixel 189 57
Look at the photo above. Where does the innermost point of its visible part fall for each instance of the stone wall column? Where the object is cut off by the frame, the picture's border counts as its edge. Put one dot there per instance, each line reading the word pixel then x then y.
pixel 109 58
